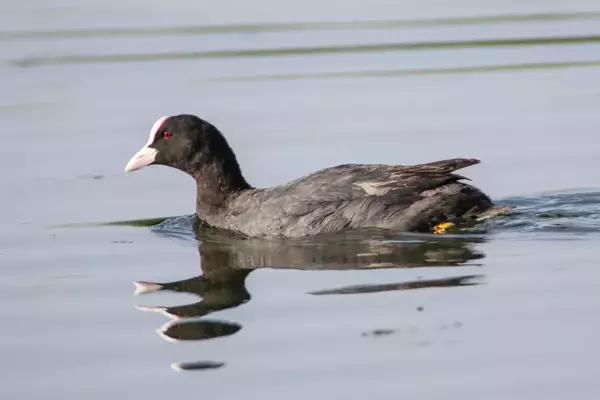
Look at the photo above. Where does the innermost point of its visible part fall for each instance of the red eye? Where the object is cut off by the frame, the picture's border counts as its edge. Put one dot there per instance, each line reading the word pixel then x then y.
pixel 167 134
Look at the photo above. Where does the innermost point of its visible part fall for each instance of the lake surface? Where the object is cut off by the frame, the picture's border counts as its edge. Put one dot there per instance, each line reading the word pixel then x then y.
pixel 97 306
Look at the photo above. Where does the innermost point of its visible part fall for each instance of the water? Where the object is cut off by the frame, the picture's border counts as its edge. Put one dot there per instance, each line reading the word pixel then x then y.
pixel 505 312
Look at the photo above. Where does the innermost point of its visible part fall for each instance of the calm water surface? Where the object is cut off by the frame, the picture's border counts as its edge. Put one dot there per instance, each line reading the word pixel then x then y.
pixel 96 308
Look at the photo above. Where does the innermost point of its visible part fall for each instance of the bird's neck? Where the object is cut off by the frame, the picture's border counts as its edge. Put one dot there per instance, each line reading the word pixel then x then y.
pixel 217 181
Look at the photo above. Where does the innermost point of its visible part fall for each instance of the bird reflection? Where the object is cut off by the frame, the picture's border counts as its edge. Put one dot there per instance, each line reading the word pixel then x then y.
pixel 226 261
pixel 465 280
pixel 197 330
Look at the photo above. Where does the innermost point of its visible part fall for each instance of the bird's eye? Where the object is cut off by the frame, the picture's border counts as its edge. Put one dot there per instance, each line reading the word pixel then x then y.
pixel 167 134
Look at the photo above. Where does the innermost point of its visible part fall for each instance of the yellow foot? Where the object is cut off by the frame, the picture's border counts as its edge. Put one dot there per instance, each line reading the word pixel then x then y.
pixel 442 228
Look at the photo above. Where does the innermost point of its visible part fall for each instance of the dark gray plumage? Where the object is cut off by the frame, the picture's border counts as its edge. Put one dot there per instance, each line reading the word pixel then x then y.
pixel 411 198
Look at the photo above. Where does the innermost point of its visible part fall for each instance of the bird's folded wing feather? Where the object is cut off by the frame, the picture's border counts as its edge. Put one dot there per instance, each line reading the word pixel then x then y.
pixel 354 181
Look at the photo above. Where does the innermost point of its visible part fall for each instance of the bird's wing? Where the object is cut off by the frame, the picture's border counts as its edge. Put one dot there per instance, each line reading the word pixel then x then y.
pixel 405 183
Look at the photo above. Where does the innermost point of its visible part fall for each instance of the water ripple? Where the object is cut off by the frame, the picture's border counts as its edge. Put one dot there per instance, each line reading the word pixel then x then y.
pixel 569 213
pixel 294 51
pixel 417 71
pixel 296 26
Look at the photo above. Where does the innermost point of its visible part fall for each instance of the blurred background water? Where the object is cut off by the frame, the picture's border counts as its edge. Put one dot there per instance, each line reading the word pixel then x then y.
pixel 298 86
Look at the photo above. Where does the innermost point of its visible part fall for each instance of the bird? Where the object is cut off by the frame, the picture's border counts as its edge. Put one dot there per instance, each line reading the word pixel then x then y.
pixel 421 198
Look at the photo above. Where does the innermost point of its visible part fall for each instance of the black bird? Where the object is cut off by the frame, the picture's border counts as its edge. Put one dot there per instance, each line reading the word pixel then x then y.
pixel 409 198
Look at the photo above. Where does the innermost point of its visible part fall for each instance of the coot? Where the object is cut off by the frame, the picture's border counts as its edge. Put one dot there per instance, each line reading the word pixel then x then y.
pixel 409 198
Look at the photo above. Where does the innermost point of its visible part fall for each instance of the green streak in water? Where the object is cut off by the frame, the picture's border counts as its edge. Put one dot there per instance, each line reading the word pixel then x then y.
pixel 137 223
pixel 24 106
pixel 297 26
pixel 419 71
pixel 339 49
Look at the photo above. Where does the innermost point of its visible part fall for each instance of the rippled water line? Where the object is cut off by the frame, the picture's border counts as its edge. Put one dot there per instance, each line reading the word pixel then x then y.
pixel 297 26
pixel 570 212
pixel 289 51
pixel 417 71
